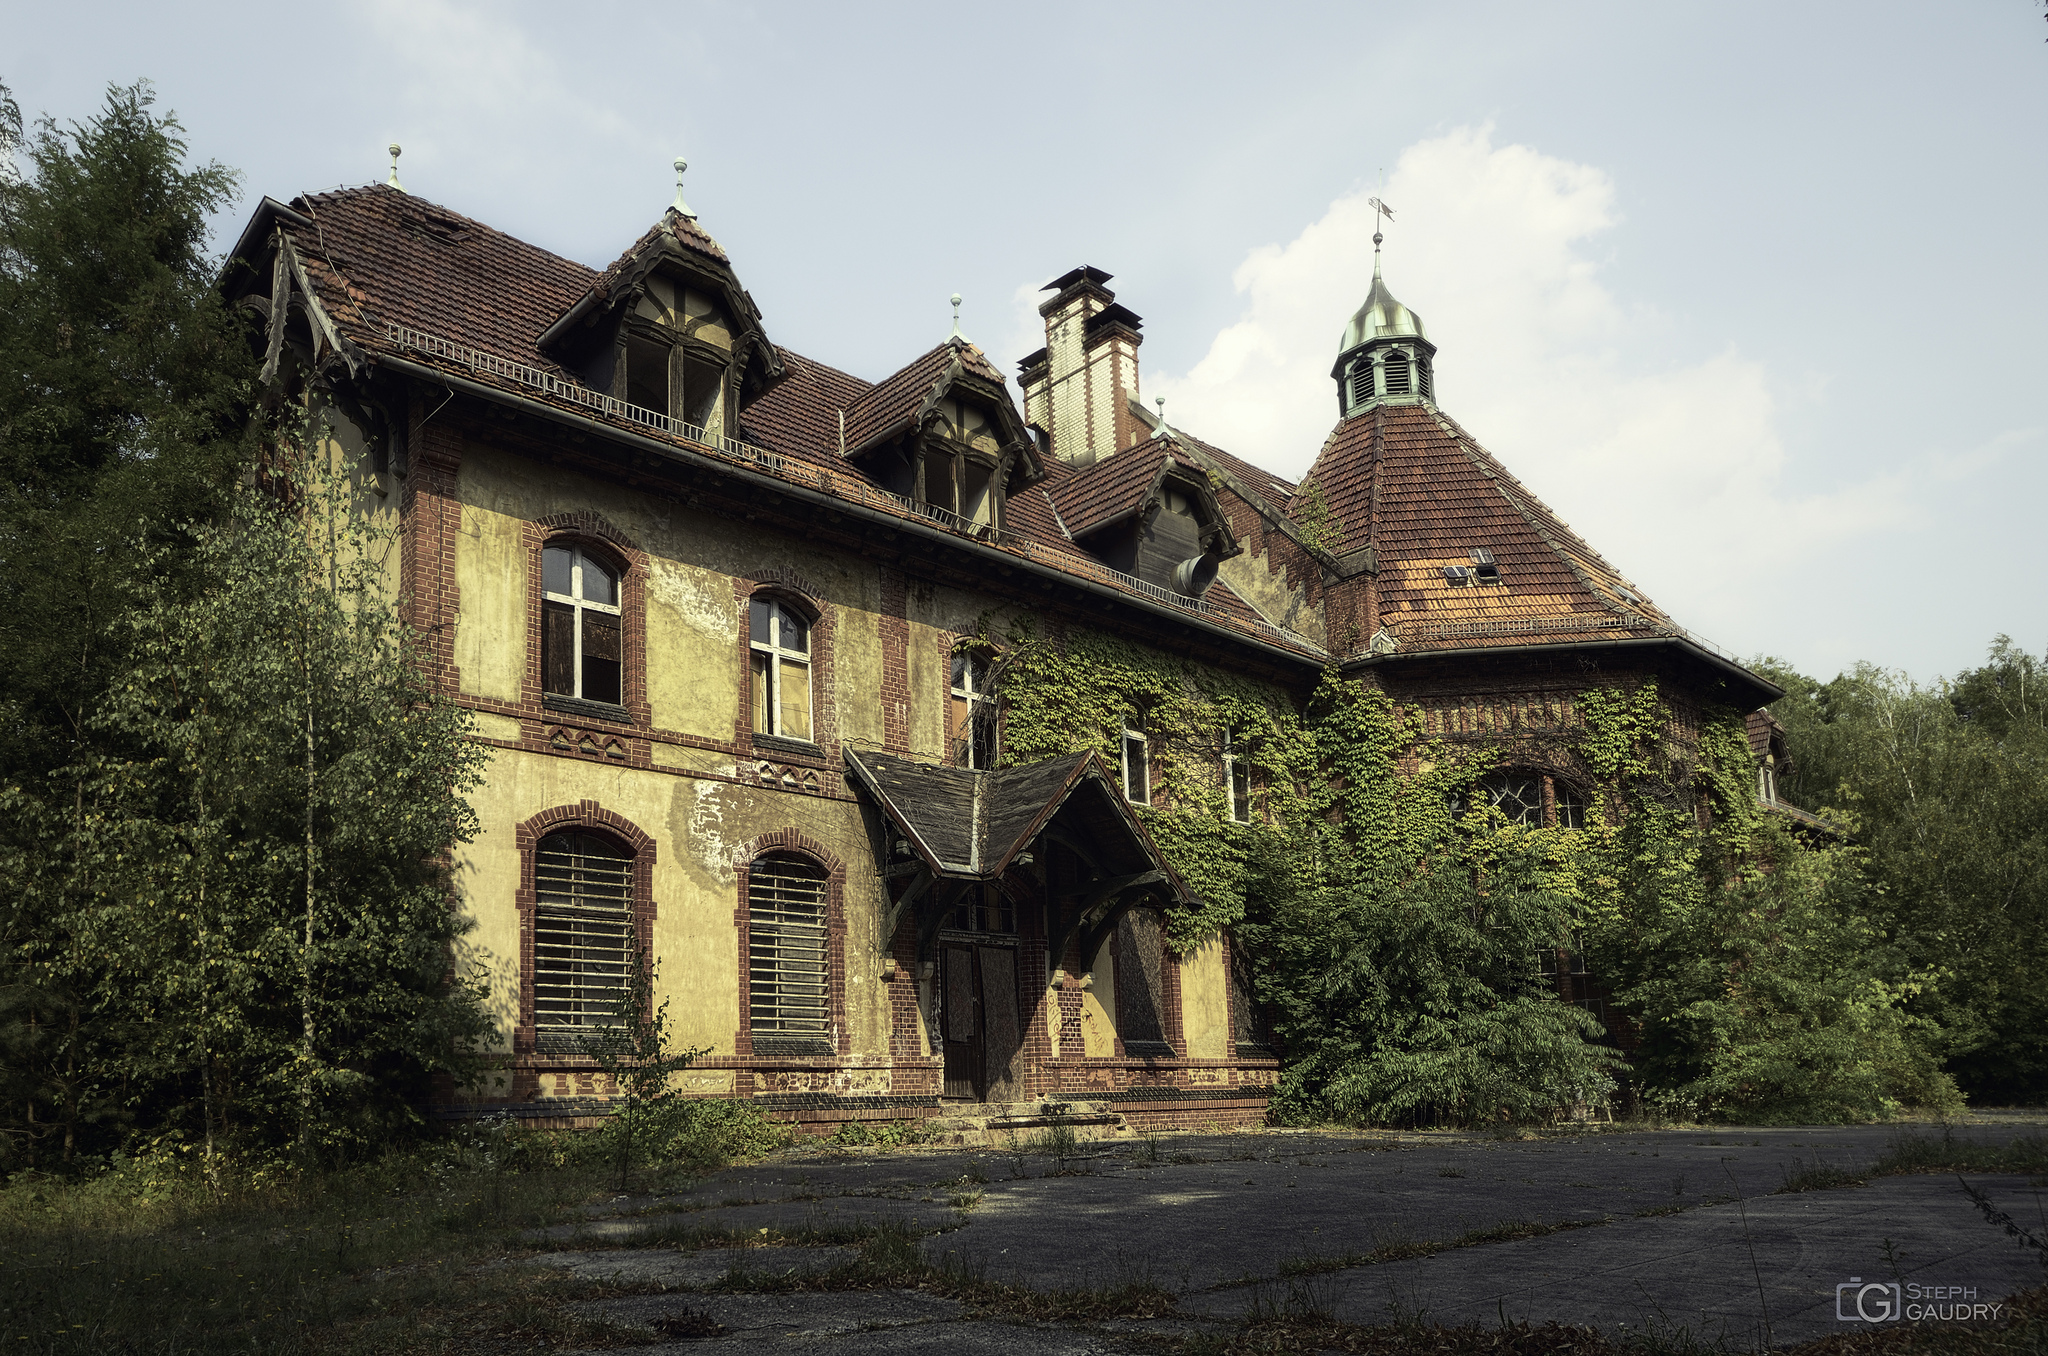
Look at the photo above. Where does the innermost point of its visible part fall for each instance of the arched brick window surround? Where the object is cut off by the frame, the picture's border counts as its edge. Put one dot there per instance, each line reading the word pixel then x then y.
pixel 803 845
pixel 599 538
pixel 589 817
pixel 795 591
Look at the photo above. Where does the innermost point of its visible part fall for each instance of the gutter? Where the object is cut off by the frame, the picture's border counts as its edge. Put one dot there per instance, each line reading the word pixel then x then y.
pixel 1711 659
pixel 449 380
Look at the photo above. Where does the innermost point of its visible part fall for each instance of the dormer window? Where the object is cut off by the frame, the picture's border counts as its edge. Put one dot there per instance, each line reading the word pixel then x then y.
pixel 962 463
pixel 677 352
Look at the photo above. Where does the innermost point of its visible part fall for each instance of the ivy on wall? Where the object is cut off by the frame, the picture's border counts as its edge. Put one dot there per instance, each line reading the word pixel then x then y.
pixel 1391 910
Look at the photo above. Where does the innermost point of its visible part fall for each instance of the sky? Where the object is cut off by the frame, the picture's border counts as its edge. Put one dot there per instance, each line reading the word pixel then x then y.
pixel 1752 295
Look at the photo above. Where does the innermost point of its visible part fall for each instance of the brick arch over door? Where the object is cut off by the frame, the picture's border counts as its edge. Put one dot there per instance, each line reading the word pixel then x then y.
pixel 589 816
pixel 802 844
pixel 591 529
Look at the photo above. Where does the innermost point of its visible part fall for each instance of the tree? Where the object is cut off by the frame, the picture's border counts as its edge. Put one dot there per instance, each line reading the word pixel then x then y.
pixel 124 397
pixel 1948 787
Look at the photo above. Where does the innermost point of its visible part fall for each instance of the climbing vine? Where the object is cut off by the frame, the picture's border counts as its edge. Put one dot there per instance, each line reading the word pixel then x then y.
pixel 1397 916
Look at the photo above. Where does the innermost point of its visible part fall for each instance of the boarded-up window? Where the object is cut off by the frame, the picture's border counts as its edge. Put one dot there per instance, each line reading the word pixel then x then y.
pixel 582 930
pixel 970 714
pixel 786 947
pixel 1141 985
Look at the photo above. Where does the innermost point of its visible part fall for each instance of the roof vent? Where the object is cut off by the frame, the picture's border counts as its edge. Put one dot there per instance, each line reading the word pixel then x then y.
pixel 1484 567
pixel 1457 575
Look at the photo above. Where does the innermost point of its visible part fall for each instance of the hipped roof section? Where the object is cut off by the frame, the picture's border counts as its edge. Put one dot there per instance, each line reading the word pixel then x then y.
pixel 965 823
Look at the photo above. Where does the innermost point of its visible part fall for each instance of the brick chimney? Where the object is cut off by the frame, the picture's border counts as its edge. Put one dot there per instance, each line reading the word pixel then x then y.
pixel 1078 388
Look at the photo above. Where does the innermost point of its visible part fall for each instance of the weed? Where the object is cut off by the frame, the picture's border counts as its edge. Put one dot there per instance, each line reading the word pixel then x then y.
pixel 1821 1176
pixel 1448 1171
pixel 1913 1151
pixel 881 1134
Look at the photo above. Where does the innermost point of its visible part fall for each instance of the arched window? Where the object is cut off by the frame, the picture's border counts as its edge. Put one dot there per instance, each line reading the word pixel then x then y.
pixel 1570 803
pixel 780 641
pixel 1518 795
pixel 582 930
pixel 786 947
pixel 581 654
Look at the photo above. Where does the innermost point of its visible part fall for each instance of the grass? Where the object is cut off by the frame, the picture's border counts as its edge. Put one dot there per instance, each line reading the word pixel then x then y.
pixel 375 1258
pixel 893 1258
pixel 1914 1151
pixel 1821 1176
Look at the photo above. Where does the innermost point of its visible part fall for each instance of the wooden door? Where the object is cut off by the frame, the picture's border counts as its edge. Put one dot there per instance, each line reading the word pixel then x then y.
pixel 960 1021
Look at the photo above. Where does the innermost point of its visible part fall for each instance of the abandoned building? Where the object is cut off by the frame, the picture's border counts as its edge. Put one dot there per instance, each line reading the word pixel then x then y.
pixel 720 611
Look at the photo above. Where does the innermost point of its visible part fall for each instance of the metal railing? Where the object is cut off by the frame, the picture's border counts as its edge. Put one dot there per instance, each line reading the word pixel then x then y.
pixel 840 484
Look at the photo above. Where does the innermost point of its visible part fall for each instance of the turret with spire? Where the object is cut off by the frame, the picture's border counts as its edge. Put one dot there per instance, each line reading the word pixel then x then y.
pixel 1385 356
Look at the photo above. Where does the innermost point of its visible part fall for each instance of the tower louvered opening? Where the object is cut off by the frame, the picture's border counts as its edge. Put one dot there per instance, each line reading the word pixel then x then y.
pixel 582 930
pixel 1362 382
pixel 1424 387
pixel 1395 367
pixel 786 947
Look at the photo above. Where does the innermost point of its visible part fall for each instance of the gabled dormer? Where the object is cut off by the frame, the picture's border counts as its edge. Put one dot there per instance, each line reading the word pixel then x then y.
pixel 943 434
pixel 668 329
pixel 1149 511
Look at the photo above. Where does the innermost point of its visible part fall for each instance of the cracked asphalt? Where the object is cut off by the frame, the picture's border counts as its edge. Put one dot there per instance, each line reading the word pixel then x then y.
pixel 1639 1230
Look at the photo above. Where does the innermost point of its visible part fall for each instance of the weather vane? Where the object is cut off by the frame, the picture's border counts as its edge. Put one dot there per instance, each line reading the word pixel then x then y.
pixel 1379 209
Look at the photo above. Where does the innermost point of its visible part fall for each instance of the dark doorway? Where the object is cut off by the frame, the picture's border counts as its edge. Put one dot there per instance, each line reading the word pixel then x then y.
pixel 978 1019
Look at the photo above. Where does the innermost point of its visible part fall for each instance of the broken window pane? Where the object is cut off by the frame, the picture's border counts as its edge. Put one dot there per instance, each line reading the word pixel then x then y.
pixel 647 374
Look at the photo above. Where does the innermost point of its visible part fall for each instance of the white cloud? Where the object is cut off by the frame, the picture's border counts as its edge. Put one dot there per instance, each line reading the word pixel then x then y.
pixel 1674 473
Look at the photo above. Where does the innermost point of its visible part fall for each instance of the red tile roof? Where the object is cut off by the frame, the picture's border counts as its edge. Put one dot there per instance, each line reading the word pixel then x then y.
pixel 1113 488
pixel 1404 479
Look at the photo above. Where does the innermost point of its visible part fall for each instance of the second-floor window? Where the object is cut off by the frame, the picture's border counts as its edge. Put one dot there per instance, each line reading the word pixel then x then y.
pixel 1137 762
pixel 971 717
pixel 580 643
pixel 780 639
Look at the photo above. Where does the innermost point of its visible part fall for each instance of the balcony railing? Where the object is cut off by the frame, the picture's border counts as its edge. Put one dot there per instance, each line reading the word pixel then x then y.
pixel 842 484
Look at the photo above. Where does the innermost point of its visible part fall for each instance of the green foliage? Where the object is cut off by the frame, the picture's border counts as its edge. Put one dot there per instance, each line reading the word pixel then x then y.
pixel 1947 786
pixel 125 394
pixel 1319 527
pixel 245 907
pixel 881 1134
pixel 632 1051
pixel 1076 693
pixel 1413 997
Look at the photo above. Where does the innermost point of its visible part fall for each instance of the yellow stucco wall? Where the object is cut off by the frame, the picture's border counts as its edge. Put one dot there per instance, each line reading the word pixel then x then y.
pixel 1098 1007
pixel 1205 1002
pixel 699 826
pixel 490 634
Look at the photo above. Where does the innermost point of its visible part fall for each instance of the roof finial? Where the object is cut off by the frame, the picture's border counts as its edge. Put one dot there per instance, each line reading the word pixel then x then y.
pixel 1379 209
pixel 956 337
pixel 1162 431
pixel 679 207
pixel 392 182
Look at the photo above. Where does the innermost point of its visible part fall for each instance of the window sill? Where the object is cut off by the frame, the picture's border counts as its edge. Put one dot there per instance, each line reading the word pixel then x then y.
pixel 1148 1050
pixel 576 706
pixel 780 744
